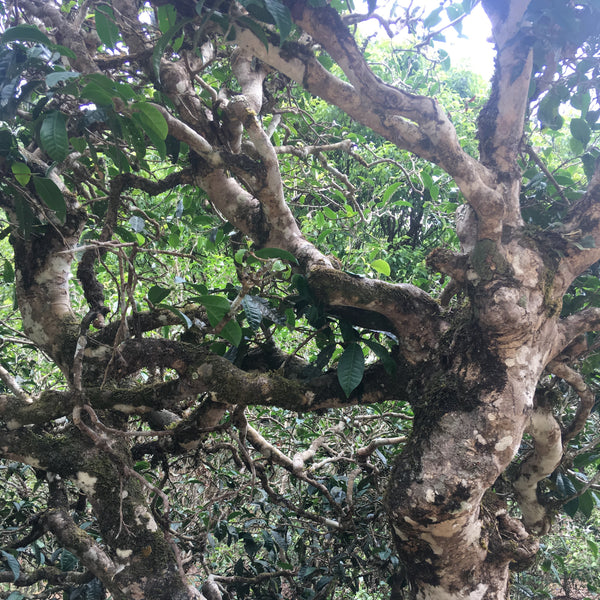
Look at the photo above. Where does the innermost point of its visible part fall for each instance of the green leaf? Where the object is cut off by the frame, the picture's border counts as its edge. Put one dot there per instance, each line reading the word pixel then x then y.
pixel 351 368
pixel 107 29
pixel 548 112
pixel 25 217
pixel 219 348
pixel 390 191
pixel 240 255
pixel 63 51
pixel 576 146
pixel 593 547
pixel 433 18
pixel 580 130
pixel 381 266
pixel 581 101
pixel 216 307
pixel 282 17
pixel 324 356
pixel 57 77
pixel 199 6
pixel 68 561
pixel 253 309
pixel 157 294
pixel 126 235
pixel 349 333
pixel 167 15
pixel 383 354
pixel 6 142
pixel 176 311
pixel 8 272
pixel 571 507
pixel 146 125
pixel 94 590
pixel 163 42
pixel 119 158
pixel 53 136
pixel 232 332
pixel 52 196
pixel 153 118
pixel 135 136
pixel 569 488
pixel 329 213
pixel 276 253
pixel 24 33
pixel 13 564
pixel 98 95
pixel 586 504
pixel 21 172
pixel 589 165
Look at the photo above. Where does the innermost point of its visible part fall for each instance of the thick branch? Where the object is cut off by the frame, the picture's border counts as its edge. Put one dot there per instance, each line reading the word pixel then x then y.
pixel 65 33
pixel 546 456
pixel 52 575
pixel 179 130
pixel 415 123
pixel 571 327
pixel 586 397
pixel 245 212
pixel 365 451
pixel 415 316
pixel 59 522
pixel 501 122
pixel 300 458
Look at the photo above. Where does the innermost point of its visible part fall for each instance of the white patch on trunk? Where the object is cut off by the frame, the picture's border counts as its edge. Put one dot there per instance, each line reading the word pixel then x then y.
pixel 92 555
pixel 435 548
pixel 143 517
pixel 205 370
pixel 59 266
pixel 464 507
pixel 124 553
pixel 98 352
pixel 503 444
pixel 128 409
pixel 524 357
pixel 431 592
pixel 86 482
pixel 35 330
pixel 190 445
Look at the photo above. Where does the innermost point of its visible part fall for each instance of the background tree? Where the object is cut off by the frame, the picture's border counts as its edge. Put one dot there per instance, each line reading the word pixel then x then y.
pixel 231 394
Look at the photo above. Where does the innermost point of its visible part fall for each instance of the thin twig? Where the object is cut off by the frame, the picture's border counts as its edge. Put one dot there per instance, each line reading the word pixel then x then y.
pixel 14 387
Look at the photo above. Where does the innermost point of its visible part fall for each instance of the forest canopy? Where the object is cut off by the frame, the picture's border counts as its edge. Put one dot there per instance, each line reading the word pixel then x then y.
pixel 294 306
